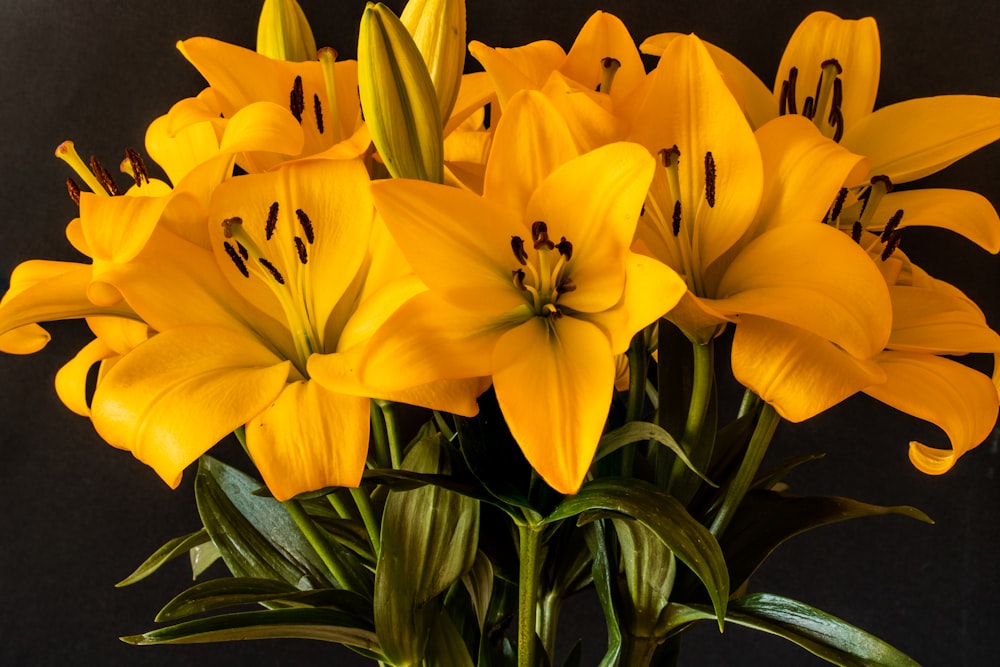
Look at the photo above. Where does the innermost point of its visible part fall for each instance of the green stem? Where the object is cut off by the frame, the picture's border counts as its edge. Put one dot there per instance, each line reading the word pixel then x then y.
pixel 338 505
pixel 702 381
pixel 639 651
pixel 529 545
pixel 318 540
pixel 364 503
pixel 636 395
pixel 767 422
pixel 388 409
pixel 380 438
pixel 748 404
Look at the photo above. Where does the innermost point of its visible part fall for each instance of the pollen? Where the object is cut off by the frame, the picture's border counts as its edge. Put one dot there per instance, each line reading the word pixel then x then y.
pixel 237 259
pixel 710 179
pixel 272 221
pixel 104 177
pixel 74 190
pixel 300 248
pixel 891 225
pixel 136 167
pixel 296 99
pixel 306 224
pixel 318 111
pixel 517 246
pixel 272 269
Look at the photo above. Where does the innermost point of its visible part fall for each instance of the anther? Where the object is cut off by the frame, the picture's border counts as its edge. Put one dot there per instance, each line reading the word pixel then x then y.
pixel 710 179
pixel 300 248
pixel 838 205
pixel 551 310
pixel 565 285
pixel 138 167
pixel 318 110
pixel 891 245
pixel 783 99
pixel 518 276
pixel 890 227
pixel 237 260
pixel 540 236
pixel 272 221
pixel 837 121
pixel 74 190
pixel 227 226
pixel 272 270
pixel 793 75
pixel 296 99
pixel 809 108
pixel 565 248
pixel 856 230
pixel 306 224
pixel 517 245
pixel 243 251
pixel 104 177
pixel 677 218
pixel 838 98
pixel 609 67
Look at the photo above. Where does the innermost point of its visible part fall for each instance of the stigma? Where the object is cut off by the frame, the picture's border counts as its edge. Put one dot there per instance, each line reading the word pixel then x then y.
pixel 542 278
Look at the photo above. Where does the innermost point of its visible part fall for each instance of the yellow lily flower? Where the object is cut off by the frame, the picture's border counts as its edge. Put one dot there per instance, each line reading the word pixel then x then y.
pixel 238 323
pixel 532 284
pixel 735 213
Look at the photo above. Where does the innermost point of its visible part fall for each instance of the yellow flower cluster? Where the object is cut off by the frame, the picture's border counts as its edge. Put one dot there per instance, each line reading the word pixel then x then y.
pixel 277 282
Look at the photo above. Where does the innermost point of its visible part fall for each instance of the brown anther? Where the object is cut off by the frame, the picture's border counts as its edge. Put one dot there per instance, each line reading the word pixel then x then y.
pixel 306 224
pixel 139 173
pixel 104 177
pixel 890 227
pixel 517 245
pixel 74 190
pixel 243 251
pixel 565 285
pixel 809 108
pixel 297 99
pixel 676 226
pixel 227 226
pixel 669 157
pixel 300 247
pixel 837 121
pixel 518 276
pixel 783 99
pixel 834 63
pixel 791 104
pixel 272 221
pixel 838 97
pixel 272 270
pixel 838 205
pixel 318 110
pixel 710 179
pixel 891 245
pixel 237 260
pixel 856 230
pixel 565 248
pixel 540 236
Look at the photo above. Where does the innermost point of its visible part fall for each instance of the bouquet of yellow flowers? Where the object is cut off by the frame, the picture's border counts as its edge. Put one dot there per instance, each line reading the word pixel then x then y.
pixel 491 339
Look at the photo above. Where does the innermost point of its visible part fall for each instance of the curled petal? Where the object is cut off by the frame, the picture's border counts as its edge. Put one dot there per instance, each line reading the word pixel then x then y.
pixel 511 70
pixel 967 213
pixel 27 339
pixel 71 380
pixel 961 401
pixel 938 321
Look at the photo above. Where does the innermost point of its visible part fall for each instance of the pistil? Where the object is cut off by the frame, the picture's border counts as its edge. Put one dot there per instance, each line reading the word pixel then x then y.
pixel 548 281
pixel 609 67
pixel 327 58
pixel 66 152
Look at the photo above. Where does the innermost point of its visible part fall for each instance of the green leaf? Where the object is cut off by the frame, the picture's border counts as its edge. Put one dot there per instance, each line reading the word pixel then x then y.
pixel 666 517
pixel 429 538
pixel 167 552
pixel 445 646
pixel 766 519
pixel 816 631
pixel 644 431
pixel 605 571
pixel 219 593
pixel 321 624
pixel 255 535
pixel 650 568
pixel 202 557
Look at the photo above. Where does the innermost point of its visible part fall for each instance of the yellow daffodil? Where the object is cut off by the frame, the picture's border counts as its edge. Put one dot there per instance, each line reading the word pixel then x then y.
pixel 736 214
pixel 532 284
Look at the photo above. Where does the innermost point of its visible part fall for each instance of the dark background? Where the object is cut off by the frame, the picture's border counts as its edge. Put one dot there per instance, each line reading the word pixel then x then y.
pixel 76 515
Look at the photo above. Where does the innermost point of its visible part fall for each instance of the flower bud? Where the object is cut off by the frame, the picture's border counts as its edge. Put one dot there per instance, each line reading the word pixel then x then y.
pixel 283 33
pixel 438 29
pixel 398 98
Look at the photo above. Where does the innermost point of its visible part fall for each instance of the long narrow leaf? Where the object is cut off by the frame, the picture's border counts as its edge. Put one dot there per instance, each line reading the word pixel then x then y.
pixel 172 549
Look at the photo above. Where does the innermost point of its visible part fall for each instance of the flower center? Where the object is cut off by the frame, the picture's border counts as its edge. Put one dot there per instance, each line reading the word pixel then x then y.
pixel 863 215
pixel 297 97
pixel 824 106
pixel 546 281
pixel 283 267
pixel 95 175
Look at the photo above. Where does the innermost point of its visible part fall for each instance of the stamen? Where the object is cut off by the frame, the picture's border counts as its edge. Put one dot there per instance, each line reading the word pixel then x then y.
pixel 710 179
pixel 783 99
pixel 609 67
pixel 318 110
pixel 837 121
pixel 296 99
pixel 300 248
pixel 272 270
pixel 517 245
pixel 272 221
pixel 880 185
pixel 306 224
pixel 550 310
pixel 890 227
pixel 237 260
pixel 67 153
pixel 891 245
pixel 565 285
pixel 793 75
pixel 838 205
pixel 856 230
pixel 540 235
pixel 104 177
pixel 327 57
pixel 565 248
pixel 518 276
pixel 137 166
pixel 243 251
pixel 838 98
pixel 74 190
pixel 677 218
pixel 809 108
pixel 227 226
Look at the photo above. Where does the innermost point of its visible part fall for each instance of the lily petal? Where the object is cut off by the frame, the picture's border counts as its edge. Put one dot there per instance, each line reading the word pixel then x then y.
pixel 914 138
pixel 554 383
pixel 511 70
pixel 938 322
pixel 71 379
pixel 960 400
pixel 604 36
pixel 308 439
pixel 966 213
pixel 24 340
pixel 798 373
pixel 172 398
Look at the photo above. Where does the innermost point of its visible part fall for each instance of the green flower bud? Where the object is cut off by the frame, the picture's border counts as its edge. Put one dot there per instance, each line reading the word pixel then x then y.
pixel 398 98
pixel 283 32
pixel 438 29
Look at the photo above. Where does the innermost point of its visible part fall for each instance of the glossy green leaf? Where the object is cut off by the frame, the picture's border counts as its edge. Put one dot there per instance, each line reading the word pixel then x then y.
pixel 321 624
pixel 445 646
pixel 172 549
pixel 202 557
pixel 220 593
pixel 644 431
pixel 605 571
pixel 255 535
pixel 766 519
pixel 666 517
pixel 650 568
pixel 818 632
pixel 478 582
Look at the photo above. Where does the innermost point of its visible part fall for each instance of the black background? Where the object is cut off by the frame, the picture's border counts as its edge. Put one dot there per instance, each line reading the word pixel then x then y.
pixel 76 515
